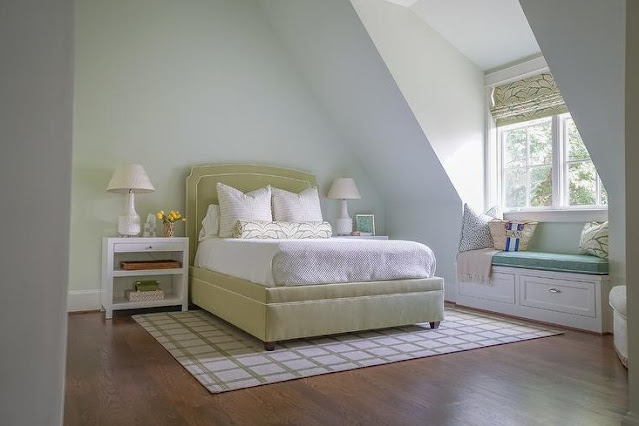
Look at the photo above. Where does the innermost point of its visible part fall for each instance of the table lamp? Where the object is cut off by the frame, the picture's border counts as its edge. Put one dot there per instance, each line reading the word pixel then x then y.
pixel 344 189
pixel 129 179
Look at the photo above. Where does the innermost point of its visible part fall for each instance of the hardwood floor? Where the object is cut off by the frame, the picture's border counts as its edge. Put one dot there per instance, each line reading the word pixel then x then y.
pixel 117 374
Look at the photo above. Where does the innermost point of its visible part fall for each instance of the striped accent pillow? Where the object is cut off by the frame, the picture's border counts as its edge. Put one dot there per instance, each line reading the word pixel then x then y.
pixel 236 205
pixel 594 239
pixel 250 229
pixel 511 236
pixel 302 207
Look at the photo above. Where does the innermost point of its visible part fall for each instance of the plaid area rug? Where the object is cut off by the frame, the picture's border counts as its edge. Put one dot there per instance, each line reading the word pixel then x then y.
pixel 224 358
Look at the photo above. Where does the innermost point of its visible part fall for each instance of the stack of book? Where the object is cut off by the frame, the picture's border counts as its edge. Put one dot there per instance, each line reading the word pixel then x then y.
pixel 145 291
pixel 151 285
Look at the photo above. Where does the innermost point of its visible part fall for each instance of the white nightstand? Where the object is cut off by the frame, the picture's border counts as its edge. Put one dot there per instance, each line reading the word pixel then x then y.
pixel 115 280
pixel 363 237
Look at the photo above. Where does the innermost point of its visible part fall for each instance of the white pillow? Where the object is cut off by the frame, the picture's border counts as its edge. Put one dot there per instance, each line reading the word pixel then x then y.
pixel 291 207
pixel 210 223
pixel 236 205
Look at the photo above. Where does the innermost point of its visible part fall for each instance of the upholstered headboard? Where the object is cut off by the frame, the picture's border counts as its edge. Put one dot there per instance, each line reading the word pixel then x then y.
pixel 201 189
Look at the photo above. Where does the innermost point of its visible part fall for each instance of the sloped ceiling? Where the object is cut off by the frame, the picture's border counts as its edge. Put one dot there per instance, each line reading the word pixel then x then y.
pixel 334 53
pixel 583 42
pixel 491 33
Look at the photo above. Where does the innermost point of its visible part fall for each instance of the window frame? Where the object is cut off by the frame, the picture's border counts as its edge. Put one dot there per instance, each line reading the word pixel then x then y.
pixel 560 165
pixel 501 172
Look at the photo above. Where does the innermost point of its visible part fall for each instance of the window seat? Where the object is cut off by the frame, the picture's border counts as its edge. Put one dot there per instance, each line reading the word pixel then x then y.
pixel 576 263
pixel 564 289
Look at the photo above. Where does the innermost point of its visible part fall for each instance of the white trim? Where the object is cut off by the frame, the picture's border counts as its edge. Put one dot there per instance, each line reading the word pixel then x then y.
pixel 564 215
pixel 83 300
pixel 516 72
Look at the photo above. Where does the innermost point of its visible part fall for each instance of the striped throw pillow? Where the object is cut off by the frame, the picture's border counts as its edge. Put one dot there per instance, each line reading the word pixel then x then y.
pixel 236 205
pixel 594 239
pixel 251 229
pixel 510 235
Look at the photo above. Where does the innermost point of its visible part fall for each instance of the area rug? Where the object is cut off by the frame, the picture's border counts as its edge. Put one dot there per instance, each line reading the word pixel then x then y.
pixel 224 358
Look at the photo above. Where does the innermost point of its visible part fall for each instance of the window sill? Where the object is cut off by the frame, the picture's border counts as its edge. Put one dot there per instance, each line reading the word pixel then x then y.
pixel 574 215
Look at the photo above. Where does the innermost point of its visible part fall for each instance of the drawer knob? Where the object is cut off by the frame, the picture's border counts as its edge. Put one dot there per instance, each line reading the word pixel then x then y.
pixel 554 290
pixel 149 248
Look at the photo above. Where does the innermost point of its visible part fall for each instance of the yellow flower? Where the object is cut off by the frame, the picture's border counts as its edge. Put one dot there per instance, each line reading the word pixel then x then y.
pixel 159 215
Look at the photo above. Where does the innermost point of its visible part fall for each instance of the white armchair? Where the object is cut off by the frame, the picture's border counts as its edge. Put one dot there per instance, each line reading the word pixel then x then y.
pixel 617 301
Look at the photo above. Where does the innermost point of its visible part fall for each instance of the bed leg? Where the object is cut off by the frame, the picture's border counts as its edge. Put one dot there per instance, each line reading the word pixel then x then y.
pixel 269 346
pixel 434 324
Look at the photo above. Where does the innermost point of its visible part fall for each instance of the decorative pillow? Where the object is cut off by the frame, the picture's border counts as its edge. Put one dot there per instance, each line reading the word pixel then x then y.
pixel 475 233
pixel 210 223
pixel 302 207
pixel 236 205
pixel 594 239
pixel 249 229
pixel 511 235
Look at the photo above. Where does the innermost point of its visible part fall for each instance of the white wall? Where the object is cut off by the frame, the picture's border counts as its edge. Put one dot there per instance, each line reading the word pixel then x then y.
pixel 444 89
pixel 632 202
pixel 583 43
pixel 335 54
pixel 36 82
pixel 173 84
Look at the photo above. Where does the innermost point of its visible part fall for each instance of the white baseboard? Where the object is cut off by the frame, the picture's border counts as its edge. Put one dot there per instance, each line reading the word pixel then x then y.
pixel 83 300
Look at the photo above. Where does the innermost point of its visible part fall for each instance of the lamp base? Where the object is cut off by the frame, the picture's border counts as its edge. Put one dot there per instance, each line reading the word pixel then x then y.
pixel 344 226
pixel 129 226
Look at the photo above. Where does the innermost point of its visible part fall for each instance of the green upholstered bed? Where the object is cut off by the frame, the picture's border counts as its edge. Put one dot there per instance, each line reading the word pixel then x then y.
pixel 281 313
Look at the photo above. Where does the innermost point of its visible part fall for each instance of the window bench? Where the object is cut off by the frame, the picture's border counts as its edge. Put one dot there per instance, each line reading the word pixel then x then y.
pixel 564 289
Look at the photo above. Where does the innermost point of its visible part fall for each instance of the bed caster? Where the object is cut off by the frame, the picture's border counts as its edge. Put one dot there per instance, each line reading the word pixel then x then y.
pixel 434 324
pixel 269 346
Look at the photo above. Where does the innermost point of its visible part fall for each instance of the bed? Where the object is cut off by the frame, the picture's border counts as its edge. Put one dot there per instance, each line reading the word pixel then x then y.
pixel 278 313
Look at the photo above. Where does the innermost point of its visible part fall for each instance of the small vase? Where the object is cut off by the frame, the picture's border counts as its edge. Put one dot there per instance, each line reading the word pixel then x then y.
pixel 169 229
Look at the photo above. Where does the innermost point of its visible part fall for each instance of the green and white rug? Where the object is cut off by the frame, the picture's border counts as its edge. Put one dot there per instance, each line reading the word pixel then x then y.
pixel 224 358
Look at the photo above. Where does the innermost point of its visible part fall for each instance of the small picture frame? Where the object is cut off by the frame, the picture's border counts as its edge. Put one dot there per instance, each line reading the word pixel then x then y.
pixel 365 224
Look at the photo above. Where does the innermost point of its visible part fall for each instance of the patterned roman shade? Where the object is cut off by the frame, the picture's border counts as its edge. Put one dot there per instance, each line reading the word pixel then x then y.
pixel 527 99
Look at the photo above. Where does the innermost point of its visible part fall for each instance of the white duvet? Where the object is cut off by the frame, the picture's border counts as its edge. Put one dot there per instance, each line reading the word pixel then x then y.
pixel 317 261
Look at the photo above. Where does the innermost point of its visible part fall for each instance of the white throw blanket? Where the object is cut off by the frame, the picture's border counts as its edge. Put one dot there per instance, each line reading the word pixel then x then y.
pixel 475 265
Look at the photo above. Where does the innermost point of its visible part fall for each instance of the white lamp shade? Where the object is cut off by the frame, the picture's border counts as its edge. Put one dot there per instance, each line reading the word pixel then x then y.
pixel 130 178
pixel 345 189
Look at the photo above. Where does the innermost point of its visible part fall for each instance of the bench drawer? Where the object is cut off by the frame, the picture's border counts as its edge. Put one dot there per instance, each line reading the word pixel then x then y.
pixel 572 297
pixel 501 288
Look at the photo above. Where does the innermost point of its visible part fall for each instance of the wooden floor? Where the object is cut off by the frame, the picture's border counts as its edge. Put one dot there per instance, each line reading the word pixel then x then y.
pixel 118 375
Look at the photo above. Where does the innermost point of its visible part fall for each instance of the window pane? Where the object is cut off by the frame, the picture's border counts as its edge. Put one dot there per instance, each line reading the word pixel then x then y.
pixel 540 186
pixel 576 148
pixel 540 140
pixel 515 188
pixel 514 147
pixel 581 181
pixel 604 194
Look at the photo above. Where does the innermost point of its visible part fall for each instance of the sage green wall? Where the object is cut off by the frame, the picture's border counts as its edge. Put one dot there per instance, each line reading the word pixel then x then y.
pixel 173 84
pixel 557 237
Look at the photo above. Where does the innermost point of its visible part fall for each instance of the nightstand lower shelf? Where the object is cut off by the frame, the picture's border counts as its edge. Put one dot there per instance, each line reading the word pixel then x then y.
pixel 120 303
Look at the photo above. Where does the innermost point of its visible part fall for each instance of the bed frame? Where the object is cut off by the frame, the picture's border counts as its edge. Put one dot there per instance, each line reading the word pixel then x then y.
pixel 281 313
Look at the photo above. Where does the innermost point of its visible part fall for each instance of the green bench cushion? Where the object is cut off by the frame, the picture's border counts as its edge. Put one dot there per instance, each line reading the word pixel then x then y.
pixel 577 263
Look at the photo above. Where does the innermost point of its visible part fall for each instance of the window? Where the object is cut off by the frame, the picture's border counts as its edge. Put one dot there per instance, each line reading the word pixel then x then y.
pixel 544 163
pixel 536 157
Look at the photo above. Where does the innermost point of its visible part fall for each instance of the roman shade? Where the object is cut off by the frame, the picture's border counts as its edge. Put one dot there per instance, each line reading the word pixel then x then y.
pixel 526 99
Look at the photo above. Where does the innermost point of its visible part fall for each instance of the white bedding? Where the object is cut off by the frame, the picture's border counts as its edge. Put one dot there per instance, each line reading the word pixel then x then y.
pixel 318 261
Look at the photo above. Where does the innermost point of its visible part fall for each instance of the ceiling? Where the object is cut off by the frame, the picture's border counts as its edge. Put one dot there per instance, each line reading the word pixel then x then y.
pixel 491 33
